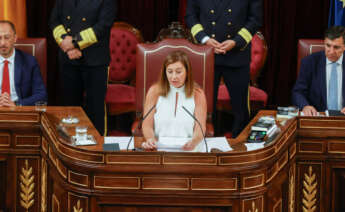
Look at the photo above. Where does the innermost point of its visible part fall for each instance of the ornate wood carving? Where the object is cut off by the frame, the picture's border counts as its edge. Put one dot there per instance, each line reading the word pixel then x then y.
pixel 254 208
pixel 292 181
pixel 309 191
pixel 27 186
pixel 44 186
pixel 77 207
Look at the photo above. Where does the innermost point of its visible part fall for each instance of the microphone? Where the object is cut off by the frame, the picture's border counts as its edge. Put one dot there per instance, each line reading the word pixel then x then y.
pixel 140 122
pixel 197 121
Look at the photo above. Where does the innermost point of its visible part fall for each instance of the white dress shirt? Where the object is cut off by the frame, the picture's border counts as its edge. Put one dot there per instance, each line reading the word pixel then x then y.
pixel 340 78
pixel 14 96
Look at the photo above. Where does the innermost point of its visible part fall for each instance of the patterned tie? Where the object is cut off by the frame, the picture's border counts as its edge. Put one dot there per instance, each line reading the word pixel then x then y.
pixel 332 100
pixel 5 87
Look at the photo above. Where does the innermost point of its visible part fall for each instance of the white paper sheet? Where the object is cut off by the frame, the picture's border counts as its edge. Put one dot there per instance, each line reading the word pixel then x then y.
pixel 121 140
pixel 220 143
pixel 254 146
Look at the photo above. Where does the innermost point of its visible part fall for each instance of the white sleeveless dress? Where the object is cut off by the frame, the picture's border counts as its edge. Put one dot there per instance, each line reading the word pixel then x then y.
pixel 170 119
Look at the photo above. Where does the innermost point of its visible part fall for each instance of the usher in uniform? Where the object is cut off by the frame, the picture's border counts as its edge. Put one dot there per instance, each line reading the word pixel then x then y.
pixel 222 20
pixel 89 23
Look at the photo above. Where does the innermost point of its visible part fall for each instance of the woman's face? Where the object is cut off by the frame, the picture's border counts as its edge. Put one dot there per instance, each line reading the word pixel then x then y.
pixel 176 74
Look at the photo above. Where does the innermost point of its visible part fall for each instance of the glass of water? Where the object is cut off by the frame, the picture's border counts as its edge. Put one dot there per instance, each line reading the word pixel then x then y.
pixel 81 133
pixel 41 106
pixel 293 111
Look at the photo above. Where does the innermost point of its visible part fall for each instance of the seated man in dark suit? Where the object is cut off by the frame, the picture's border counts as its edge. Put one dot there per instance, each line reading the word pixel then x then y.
pixel 320 84
pixel 21 82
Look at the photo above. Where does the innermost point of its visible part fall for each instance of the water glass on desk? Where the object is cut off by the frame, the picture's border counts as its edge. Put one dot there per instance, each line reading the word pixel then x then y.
pixel 81 133
pixel 41 106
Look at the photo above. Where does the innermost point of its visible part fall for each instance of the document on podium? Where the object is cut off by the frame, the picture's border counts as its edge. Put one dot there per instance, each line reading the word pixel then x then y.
pixel 175 144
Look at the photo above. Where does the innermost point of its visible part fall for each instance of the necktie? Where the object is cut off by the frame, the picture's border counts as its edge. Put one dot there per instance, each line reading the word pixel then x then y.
pixel 332 101
pixel 5 87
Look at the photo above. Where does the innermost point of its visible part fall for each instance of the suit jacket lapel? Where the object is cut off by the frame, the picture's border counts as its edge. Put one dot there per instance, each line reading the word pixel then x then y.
pixel 18 68
pixel 223 5
pixel 323 84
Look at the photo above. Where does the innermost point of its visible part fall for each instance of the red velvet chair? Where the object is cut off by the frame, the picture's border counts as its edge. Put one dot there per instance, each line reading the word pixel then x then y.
pixel 120 96
pixel 150 57
pixel 36 47
pixel 306 47
pixel 257 97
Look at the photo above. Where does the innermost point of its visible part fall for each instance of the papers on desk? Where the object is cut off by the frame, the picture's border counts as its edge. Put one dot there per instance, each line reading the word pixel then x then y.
pixel 254 146
pixel 121 140
pixel 173 144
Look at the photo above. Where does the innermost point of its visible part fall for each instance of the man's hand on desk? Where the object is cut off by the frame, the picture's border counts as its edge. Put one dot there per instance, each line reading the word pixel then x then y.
pixel 309 111
pixel 149 144
pixel 343 110
pixel 5 100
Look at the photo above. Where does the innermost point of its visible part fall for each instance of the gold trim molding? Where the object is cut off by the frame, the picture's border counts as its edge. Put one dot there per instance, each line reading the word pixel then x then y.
pixel 44 186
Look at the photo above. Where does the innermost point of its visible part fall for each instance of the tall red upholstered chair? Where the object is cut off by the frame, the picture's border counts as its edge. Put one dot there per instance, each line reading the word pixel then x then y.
pixel 120 96
pixel 306 47
pixel 258 97
pixel 36 47
pixel 150 57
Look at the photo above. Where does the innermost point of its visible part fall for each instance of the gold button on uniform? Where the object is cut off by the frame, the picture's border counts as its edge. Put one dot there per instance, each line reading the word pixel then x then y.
pixel 228 36
pixel 68 17
pixel 213 35
pixel 229 23
pixel 68 29
pixel 84 19
pixel 211 11
pixel 213 23
pixel 229 10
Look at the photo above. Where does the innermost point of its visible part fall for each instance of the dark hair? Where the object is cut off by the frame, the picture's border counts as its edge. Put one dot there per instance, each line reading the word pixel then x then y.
pixel 9 23
pixel 163 83
pixel 335 32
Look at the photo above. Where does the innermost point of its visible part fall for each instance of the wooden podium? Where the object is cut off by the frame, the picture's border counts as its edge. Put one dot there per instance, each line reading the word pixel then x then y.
pixel 303 169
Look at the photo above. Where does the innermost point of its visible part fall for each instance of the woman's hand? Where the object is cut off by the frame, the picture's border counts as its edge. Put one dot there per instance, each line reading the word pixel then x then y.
pixel 190 145
pixel 149 144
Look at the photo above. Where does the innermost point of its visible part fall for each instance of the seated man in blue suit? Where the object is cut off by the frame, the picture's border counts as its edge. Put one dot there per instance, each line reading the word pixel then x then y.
pixel 20 77
pixel 320 84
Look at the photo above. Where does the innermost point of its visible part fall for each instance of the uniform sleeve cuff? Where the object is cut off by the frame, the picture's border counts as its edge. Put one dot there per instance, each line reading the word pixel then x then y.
pixel 205 39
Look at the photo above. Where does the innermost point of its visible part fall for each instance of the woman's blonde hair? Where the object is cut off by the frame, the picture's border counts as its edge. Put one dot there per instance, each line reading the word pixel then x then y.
pixel 163 83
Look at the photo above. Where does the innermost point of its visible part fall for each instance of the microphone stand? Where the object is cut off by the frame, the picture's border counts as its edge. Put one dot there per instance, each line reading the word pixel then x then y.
pixel 197 121
pixel 140 122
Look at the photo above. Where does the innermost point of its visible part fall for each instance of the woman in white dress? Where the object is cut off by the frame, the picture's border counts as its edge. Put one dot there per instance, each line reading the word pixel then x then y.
pixel 174 90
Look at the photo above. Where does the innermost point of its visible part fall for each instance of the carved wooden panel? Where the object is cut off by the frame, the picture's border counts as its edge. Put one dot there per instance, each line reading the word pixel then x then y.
pixel 146 208
pixel 5 139
pixel 253 205
pixel 309 187
pixel 3 187
pixel 292 187
pixel 28 184
pixel 55 204
pixel 338 189
pixel 77 203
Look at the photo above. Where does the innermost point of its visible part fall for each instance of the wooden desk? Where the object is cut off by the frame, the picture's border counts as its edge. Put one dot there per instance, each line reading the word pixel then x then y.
pixel 39 171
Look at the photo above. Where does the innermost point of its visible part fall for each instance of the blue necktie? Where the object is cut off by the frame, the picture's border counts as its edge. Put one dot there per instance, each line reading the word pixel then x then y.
pixel 332 100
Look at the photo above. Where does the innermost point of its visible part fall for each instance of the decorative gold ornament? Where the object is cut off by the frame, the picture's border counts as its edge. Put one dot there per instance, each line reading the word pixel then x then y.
pixel 44 186
pixel 309 191
pixel 254 209
pixel 292 189
pixel 78 208
pixel 27 187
